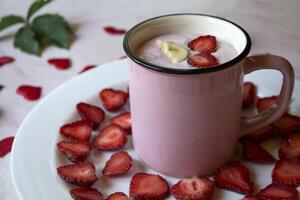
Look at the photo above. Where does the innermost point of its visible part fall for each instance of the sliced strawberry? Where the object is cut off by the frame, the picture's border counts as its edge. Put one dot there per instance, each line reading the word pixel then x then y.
pixel 203 60
pixel 206 43
pixel 29 92
pixel 86 68
pixel 5 60
pixel 249 94
pixel 278 192
pixel 264 103
pixel 60 63
pixel 123 120
pixel 79 130
pixel 118 196
pixel 287 124
pixel 75 151
pixel 81 174
pixel 114 31
pixel 5 146
pixel 234 176
pixel 113 99
pixel 250 198
pixel 111 137
pixel 255 153
pixel 290 147
pixel 193 188
pixel 287 172
pixel 92 113
pixel 145 186
pixel 86 194
pixel 262 134
pixel 118 164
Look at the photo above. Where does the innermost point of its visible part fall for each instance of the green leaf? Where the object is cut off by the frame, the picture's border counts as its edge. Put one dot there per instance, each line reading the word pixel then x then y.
pixel 53 27
pixel 36 6
pixel 10 20
pixel 26 41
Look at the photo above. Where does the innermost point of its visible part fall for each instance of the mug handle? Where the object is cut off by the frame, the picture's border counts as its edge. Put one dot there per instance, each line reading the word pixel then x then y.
pixel 270 115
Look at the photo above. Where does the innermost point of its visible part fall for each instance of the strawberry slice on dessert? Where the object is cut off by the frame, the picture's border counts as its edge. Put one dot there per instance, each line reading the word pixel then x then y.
pixel 118 196
pixel 287 124
pixel 111 137
pixel 287 172
pixel 290 148
pixel 145 186
pixel 206 43
pixel 118 164
pixel 250 198
pixel 86 194
pixel 249 94
pixel 255 153
pixel 264 103
pixel 261 135
pixel 278 192
pixel 234 176
pixel 193 188
pixel 78 131
pixel 75 151
pixel 123 120
pixel 202 60
pixel 81 174
pixel 113 99
pixel 92 113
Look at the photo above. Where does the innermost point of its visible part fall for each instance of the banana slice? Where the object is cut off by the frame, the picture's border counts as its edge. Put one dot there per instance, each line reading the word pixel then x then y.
pixel 175 52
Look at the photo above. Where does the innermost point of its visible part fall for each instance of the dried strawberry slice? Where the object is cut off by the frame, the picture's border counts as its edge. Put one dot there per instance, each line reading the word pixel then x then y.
pixel 118 196
pixel 114 31
pixel 145 186
pixel 203 60
pixel 29 92
pixel 290 147
pixel 249 94
pixel 287 172
pixel 78 131
pixel 194 188
pixel 113 99
pixel 5 60
pixel 60 63
pixel 123 120
pixel 278 192
pixel 6 145
pixel 234 176
pixel 206 43
pixel 262 134
pixel 86 68
pixel 264 103
pixel 92 113
pixel 118 164
pixel 287 124
pixel 75 151
pixel 86 194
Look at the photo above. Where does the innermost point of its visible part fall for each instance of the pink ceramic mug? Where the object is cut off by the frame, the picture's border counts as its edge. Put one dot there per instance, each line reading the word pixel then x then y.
pixel 188 121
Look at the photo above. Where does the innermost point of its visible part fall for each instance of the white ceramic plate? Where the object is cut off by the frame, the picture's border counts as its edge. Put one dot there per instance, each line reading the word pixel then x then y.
pixel 35 158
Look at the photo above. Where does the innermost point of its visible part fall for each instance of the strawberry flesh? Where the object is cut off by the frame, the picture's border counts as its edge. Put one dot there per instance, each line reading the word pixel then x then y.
pixel 123 120
pixel 249 94
pixel 86 68
pixel 114 31
pixel 204 44
pixel 264 103
pixel 287 124
pixel 29 92
pixel 75 151
pixel 261 135
pixel 86 194
pixel 203 60
pixel 290 147
pixel 113 99
pixel 250 198
pixel 78 131
pixel 194 188
pixel 118 196
pixel 234 176
pixel 111 137
pixel 81 174
pixel 6 60
pixel 287 172
pixel 60 63
pixel 118 164
pixel 278 192
pixel 92 113
pixel 6 145
pixel 255 153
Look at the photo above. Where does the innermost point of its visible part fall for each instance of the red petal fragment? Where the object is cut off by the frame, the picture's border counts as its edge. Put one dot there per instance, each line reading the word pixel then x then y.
pixel 193 189
pixel 5 146
pixel 113 99
pixel 278 192
pixel 249 94
pixel 255 153
pixel 287 124
pixel 262 134
pixel 118 196
pixel 123 120
pixel 118 164
pixel 81 174
pixel 111 137
pixel 145 186
pixel 290 147
pixel 264 103
pixel 203 60
pixel 92 113
pixel 60 63
pixel 204 44
pixel 5 60
pixel 78 131
pixel 86 68
pixel 287 172
pixel 29 92
pixel 234 176
pixel 86 194
pixel 114 31
pixel 75 151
